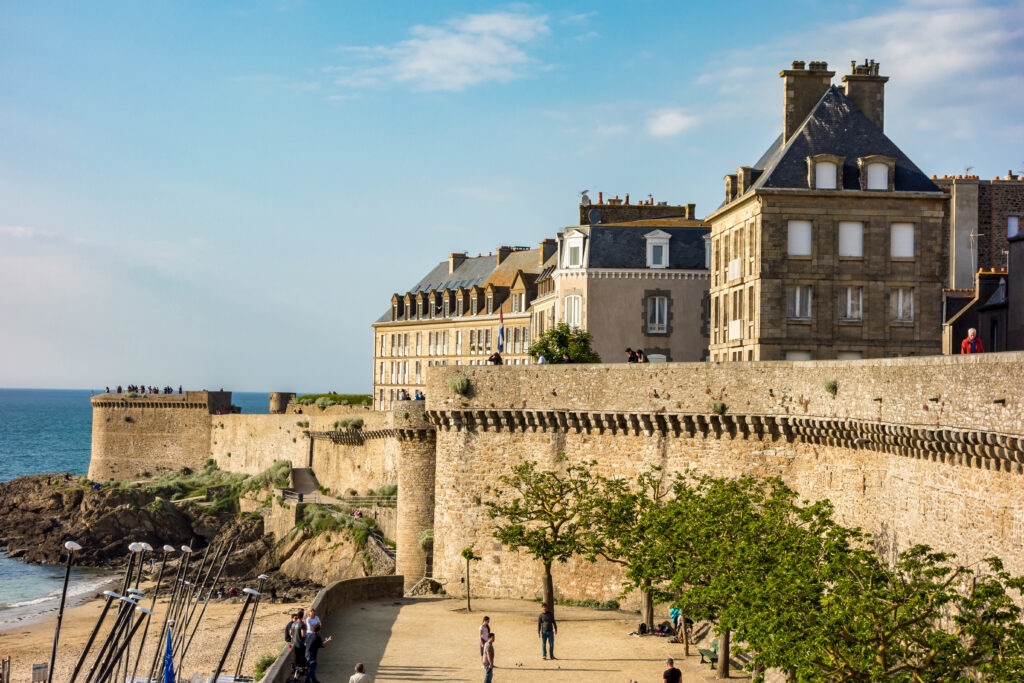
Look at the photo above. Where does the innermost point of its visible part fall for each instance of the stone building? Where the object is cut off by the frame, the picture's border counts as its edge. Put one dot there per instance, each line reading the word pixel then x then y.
pixel 831 245
pixel 981 216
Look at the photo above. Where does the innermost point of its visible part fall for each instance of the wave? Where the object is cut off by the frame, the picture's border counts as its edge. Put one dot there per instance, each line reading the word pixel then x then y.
pixel 77 591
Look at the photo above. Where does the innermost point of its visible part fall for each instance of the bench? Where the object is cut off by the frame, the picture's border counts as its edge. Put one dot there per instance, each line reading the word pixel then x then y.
pixel 711 655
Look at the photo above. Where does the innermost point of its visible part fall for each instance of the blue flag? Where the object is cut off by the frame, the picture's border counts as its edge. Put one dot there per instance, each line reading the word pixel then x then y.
pixel 169 660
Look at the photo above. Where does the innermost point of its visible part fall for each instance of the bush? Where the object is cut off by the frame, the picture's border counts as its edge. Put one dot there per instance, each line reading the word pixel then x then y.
pixel 335 399
pixel 131 394
pixel 831 386
pixel 427 540
pixel 717 407
pixel 561 338
pixel 385 491
pixel 264 661
pixel 459 384
pixel 323 402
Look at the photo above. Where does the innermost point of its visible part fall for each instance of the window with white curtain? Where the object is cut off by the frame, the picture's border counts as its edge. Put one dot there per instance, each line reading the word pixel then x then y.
pixel 902 240
pixel 824 175
pixel 574 310
pixel 798 355
pixel 458 343
pixel 901 304
pixel 878 176
pixel 799 238
pixel 851 239
pixel 657 314
pixel 850 303
pixel 798 302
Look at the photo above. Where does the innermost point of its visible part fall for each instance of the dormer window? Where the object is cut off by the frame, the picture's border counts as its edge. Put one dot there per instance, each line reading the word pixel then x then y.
pixel 490 304
pixel 877 173
pixel 573 256
pixel 472 305
pixel 657 249
pixel 825 172
pixel 446 305
pixel 394 311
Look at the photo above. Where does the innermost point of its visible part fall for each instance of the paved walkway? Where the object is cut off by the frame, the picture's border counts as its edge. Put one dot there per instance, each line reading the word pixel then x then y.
pixel 435 639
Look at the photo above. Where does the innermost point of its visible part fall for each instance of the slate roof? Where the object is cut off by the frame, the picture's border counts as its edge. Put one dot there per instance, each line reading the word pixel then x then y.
pixel 835 126
pixel 623 245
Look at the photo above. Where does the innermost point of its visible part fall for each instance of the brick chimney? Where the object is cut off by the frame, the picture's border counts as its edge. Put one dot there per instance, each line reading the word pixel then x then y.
pixel 866 89
pixel 691 211
pixel 547 249
pixel 455 260
pixel 503 253
pixel 802 88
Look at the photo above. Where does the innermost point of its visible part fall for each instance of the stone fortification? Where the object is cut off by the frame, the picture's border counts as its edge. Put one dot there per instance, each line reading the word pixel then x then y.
pixel 913 450
pixel 152 432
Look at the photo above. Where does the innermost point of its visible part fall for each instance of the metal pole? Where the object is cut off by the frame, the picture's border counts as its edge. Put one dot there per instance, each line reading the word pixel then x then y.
pixel 249 593
pixel 92 636
pixel 143 549
pixel 248 630
pixel 190 606
pixel 209 595
pixel 139 549
pixel 167 616
pixel 152 606
pixel 124 646
pixel 136 595
pixel 71 547
pixel 176 605
pixel 115 629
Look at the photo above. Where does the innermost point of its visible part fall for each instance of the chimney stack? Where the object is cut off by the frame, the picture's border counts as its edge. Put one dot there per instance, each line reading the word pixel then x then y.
pixel 455 260
pixel 547 249
pixel 503 253
pixel 802 88
pixel 866 89
pixel 691 211
pixel 730 187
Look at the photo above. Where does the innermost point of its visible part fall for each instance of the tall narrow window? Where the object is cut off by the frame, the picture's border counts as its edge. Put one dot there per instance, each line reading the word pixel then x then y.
pixel 574 256
pixel 850 300
pixel 798 302
pixel 657 255
pixel 419 374
pixel 419 309
pixel 472 341
pixel 851 239
pixel 419 343
pixel 657 315
pixel 472 305
pixel 447 306
pixel 458 343
pixel 487 345
pixel 490 304
pixel 574 310
pixel 799 238
pixel 902 240
pixel 394 311
pixel 901 304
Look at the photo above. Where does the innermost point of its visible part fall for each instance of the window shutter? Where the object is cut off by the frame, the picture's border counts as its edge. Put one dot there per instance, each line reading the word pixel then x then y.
pixel 902 240
pixel 799 243
pixel 851 239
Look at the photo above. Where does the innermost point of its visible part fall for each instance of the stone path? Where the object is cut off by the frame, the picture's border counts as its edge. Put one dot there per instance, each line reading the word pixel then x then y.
pixel 434 639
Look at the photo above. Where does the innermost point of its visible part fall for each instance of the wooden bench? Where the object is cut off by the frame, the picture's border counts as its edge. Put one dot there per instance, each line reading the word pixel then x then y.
pixel 711 655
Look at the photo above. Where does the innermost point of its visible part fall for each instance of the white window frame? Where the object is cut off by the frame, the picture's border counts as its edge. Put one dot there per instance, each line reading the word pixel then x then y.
pixel 851 303
pixel 901 299
pixel 851 239
pixel 657 238
pixel 573 247
pixel 490 304
pixel 795 232
pixel 899 236
pixel 803 299
pixel 572 314
pixel 458 342
pixel 657 315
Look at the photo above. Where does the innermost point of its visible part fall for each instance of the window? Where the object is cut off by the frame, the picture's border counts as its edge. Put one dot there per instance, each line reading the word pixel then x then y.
pixel 851 239
pixel 574 256
pixel 850 300
pixel 824 175
pixel 657 248
pixel 490 304
pixel 901 304
pixel 849 355
pixel 394 311
pixel 657 315
pixel 472 305
pixel 419 309
pixel 526 340
pixel 487 347
pixel 382 339
pixel 574 310
pixel 419 344
pixel 419 374
pixel 472 341
pixel 572 249
pixel 458 305
pixel 798 302
pixel 798 355
pixel 515 303
pixel 657 255
pixel 707 251
pixel 878 176
pixel 799 243
pixel 1012 225
pixel 902 240
pixel 444 344
pixel 458 343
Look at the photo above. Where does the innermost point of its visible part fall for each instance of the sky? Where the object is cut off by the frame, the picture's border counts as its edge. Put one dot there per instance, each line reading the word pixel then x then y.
pixel 226 194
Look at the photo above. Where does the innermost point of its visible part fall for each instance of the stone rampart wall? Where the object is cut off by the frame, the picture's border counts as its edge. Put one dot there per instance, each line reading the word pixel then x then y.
pixel 936 460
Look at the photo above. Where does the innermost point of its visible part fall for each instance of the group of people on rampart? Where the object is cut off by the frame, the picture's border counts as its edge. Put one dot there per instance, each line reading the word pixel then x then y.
pixel 144 389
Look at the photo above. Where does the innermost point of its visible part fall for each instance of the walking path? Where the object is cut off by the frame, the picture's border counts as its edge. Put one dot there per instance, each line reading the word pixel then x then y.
pixel 435 639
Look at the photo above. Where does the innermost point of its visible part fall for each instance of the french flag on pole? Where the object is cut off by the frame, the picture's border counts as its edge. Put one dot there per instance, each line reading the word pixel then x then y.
pixel 501 332
pixel 169 661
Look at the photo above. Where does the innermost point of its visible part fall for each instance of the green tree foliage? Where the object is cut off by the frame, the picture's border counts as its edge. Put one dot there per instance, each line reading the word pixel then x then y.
pixel 564 339
pixel 547 513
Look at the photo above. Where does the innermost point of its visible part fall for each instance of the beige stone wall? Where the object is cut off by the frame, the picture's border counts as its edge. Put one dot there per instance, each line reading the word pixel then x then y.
pixel 970 505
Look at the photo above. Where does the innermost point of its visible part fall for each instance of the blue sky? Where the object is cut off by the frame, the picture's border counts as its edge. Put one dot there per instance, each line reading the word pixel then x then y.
pixel 227 193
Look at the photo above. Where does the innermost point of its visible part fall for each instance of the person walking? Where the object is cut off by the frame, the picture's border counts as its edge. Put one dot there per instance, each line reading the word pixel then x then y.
pixel 485 630
pixel 546 630
pixel 360 676
pixel 295 636
pixel 488 658
pixel 313 644
pixel 971 344
pixel 311 620
pixel 672 674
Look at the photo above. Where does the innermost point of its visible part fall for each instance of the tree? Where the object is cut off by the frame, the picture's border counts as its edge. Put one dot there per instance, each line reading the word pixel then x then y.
pixel 469 555
pixel 561 338
pixel 547 514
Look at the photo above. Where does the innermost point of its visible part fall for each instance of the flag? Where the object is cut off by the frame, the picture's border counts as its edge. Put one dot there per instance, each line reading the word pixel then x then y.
pixel 501 332
pixel 169 660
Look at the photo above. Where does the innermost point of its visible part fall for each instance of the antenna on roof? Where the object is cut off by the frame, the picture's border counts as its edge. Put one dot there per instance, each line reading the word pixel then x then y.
pixel 584 199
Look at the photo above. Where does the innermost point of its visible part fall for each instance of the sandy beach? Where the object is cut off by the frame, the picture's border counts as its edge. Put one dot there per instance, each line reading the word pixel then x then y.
pixel 28 642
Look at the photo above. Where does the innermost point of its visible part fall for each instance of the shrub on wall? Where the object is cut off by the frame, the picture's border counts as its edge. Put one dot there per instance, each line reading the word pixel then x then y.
pixel 831 386
pixel 717 407
pixel 459 384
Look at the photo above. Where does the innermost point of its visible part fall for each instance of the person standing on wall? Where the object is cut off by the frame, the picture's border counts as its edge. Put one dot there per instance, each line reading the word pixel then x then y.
pixel 971 344
pixel 488 658
pixel 546 629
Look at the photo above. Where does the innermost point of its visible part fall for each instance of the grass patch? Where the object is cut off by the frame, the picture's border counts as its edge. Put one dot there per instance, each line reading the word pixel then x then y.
pixel 335 400
pixel 264 661
pixel 319 519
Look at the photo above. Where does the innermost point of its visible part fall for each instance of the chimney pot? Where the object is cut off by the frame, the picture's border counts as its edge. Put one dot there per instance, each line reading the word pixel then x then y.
pixel 797 65
pixel 600 197
pixel 627 199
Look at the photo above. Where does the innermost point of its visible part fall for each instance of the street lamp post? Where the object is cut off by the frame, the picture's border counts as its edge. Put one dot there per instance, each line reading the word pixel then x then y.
pixel 71 547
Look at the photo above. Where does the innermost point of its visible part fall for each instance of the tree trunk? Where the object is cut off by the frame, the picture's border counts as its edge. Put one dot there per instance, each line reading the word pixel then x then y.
pixel 549 588
pixel 758 670
pixel 469 605
pixel 723 655
pixel 686 635
pixel 647 605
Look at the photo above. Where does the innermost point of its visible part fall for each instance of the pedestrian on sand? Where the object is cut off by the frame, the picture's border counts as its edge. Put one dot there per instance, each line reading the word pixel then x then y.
pixel 546 630
pixel 672 674
pixel 313 643
pixel 273 595
pixel 488 658
pixel 360 676
pixel 485 630
pixel 295 636
pixel 971 344
pixel 311 620
pixel 631 356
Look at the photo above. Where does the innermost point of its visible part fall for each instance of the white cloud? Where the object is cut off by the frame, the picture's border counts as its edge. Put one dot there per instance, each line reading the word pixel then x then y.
pixel 669 122
pixel 461 53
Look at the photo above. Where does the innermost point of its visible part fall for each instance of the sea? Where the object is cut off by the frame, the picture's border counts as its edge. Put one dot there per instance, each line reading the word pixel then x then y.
pixel 43 431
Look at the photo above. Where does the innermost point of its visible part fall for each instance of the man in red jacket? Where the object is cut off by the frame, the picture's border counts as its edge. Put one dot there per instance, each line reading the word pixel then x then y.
pixel 972 344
